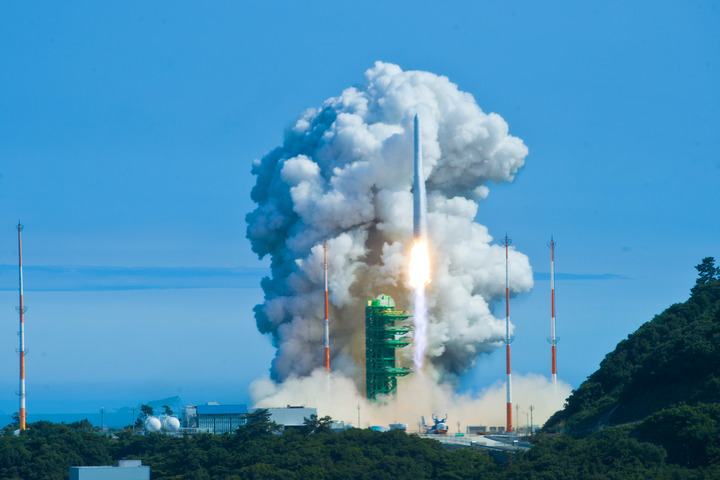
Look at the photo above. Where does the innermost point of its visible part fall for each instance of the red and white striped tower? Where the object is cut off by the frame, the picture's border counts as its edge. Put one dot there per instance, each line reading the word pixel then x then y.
pixel 327 321
pixel 508 340
pixel 21 309
pixel 553 339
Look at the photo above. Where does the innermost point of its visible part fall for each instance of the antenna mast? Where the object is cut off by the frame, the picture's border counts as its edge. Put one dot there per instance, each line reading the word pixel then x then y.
pixel 508 340
pixel 327 321
pixel 552 339
pixel 21 309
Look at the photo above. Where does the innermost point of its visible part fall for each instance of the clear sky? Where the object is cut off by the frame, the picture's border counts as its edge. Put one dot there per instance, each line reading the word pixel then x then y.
pixel 127 132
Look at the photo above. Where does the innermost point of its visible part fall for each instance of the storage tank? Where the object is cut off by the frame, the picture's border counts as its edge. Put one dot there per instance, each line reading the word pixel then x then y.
pixel 170 424
pixel 152 424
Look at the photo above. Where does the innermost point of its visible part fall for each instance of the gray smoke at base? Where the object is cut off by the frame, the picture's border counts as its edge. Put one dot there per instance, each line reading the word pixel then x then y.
pixel 344 174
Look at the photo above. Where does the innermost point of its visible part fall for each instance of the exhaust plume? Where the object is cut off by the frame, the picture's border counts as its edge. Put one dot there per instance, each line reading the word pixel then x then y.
pixel 419 255
pixel 344 175
pixel 417 395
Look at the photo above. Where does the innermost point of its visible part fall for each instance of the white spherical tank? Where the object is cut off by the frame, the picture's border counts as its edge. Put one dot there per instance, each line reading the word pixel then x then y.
pixel 152 424
pixel 170 424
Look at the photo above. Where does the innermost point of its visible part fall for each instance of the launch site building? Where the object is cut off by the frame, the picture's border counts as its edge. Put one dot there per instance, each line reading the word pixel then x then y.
pixel 219 419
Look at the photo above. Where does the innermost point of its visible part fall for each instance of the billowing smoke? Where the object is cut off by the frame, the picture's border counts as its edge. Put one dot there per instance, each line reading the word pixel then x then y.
pixel 344 174
pixel 417 396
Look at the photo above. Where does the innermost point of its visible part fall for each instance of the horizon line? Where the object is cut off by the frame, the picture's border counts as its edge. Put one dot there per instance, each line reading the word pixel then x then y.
pixel 68 278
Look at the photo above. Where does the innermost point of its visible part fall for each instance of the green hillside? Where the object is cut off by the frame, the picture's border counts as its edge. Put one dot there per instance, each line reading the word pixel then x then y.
pixel 673 359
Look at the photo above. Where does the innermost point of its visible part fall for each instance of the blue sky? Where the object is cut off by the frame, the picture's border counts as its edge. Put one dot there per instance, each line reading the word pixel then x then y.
pixel 127 132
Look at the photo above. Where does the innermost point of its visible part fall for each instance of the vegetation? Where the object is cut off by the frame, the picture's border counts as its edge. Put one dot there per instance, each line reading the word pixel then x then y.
pixel 145 412
pixel 673 359
pixel 650 411
pixel 707 272
pixel 48 450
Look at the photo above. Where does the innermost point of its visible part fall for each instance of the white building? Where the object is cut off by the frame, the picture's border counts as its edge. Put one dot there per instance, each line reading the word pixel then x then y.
pixel 219 419
pixel 290 416
pixel 126 470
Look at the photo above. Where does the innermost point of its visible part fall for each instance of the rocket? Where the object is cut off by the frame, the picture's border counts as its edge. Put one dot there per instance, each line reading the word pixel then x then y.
pixel 419 197
pixel 419 255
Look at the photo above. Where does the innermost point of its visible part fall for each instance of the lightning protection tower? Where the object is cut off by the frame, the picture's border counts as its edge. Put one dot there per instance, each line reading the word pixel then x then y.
pixel 508 341
pixel 327 320
pixel 21 310
pixel 552 338
pixel 384 333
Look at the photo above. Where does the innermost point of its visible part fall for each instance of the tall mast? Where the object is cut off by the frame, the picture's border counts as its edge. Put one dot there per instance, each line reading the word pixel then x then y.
pixel 508 340
pixel 21 309
pixel 553 339
pixel 327 321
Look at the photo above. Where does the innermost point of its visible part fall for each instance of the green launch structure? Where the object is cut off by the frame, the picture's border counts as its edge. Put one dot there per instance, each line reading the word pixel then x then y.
pixel 383 335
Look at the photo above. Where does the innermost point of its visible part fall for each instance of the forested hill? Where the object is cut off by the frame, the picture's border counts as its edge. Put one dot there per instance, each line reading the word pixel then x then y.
pixel 672 360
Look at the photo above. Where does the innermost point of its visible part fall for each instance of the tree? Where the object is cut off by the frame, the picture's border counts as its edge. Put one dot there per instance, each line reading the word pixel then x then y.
pixel 16 420
pixel 689 433
pixel 82 426
pixel 707 272
pixel 315 424
pixel 259 422
pixel 167 410
pixel 145 412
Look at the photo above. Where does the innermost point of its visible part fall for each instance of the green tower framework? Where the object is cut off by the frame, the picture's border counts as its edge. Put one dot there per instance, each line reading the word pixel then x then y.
pixel 383 335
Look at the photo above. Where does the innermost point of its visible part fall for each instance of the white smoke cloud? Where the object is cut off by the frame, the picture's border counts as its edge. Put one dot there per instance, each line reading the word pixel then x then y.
pixel 417 396
pixel 344 174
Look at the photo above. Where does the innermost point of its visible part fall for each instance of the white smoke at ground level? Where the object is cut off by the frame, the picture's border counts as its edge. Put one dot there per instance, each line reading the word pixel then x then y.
pixel 417 396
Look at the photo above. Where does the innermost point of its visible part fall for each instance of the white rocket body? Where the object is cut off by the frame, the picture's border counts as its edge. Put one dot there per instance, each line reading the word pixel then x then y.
pixel 419 196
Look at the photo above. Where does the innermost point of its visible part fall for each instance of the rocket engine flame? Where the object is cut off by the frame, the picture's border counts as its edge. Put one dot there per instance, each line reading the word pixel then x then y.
pixel 419 264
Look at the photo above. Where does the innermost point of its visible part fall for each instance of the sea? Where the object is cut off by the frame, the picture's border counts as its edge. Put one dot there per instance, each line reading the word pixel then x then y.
pixel 110 418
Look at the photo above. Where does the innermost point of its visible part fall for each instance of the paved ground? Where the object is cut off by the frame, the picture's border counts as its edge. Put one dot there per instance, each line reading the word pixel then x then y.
pixel 481 441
